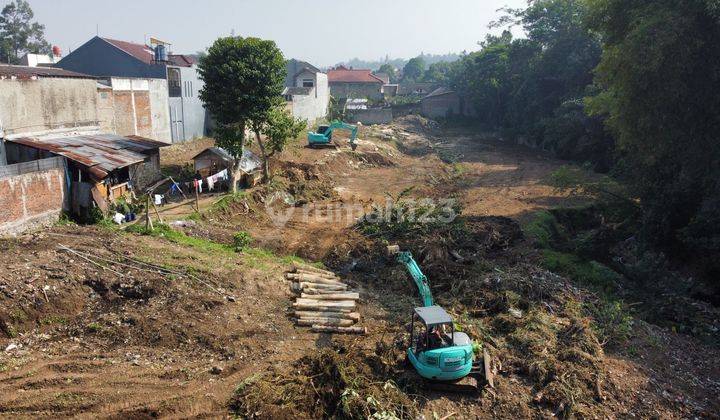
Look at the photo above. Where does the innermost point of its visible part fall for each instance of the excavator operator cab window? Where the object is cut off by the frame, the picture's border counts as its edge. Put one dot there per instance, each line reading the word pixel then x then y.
pixel 322 129
pixel 428 338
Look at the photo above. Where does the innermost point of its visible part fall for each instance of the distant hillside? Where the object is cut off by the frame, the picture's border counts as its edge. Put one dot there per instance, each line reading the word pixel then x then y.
pixel 398 63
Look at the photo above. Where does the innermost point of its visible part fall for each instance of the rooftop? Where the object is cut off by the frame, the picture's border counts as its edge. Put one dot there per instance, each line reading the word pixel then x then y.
pixel 146 54
pixel 344 75
pixel 433 315
pixel 99 153
pixel 27 72
pixel 439 91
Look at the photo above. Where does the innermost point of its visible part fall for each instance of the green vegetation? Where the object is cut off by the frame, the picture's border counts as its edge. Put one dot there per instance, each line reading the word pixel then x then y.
pixel 165 231
pixel 19 34
pixel 244 79
pixel 241 240
pixel 226 201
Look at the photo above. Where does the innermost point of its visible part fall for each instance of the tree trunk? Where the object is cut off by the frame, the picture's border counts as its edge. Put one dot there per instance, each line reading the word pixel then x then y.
pixel 235 174
pixel 266 170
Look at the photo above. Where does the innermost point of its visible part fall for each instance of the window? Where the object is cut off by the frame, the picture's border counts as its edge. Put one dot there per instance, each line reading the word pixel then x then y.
pixel 308 83
pixel 174 90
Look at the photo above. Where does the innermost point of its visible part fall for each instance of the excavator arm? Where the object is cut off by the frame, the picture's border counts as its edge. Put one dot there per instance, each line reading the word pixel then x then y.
pixel 339 125
pixel 421 281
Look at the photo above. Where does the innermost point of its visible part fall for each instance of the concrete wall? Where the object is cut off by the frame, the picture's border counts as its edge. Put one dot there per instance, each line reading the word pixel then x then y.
pixel 440 106
pixel 31 200
pixel 370 116
pixel 356 90
pixel 97 57
pixel 313 106
pixel 187 114
pixel 28 106
pixel 135 107
pixel 447 105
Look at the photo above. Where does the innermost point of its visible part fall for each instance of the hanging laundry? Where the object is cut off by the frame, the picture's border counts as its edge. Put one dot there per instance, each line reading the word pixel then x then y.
pixel 211 183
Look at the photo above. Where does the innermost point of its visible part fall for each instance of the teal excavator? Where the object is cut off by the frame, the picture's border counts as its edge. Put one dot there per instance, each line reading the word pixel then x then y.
pixel 437 351
pixel 323 135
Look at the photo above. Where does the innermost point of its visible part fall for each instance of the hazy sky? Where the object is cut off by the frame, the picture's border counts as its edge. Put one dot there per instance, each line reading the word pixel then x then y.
pixel 322 32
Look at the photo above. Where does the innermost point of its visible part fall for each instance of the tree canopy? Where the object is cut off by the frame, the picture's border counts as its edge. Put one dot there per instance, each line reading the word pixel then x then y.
pixel 244 78
pixel 19 34
pixel 414 68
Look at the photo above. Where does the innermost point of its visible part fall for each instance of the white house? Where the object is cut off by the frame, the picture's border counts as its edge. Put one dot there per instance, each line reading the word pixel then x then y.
pixel 306 91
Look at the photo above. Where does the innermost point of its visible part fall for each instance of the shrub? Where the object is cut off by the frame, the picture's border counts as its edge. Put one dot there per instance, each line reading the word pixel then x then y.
pixel 241 240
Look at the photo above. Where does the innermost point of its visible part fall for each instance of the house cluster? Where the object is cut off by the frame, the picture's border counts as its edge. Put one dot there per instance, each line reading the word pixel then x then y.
pixel 81 132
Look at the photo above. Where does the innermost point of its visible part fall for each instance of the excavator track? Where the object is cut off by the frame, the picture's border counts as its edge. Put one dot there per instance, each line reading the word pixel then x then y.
pixel 471 384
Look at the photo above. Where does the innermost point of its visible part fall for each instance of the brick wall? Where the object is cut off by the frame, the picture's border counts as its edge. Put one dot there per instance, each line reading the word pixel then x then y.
pixel 31 200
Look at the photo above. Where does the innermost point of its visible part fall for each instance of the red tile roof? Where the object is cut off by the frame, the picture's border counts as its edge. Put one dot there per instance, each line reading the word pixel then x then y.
pixel 344 75
pixel 139 51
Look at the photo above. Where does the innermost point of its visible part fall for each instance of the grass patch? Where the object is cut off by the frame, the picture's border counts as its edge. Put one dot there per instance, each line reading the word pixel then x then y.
pixel 164 231
pixel 543 229
pixel 587 273
pixel 53 320
pixel 226 201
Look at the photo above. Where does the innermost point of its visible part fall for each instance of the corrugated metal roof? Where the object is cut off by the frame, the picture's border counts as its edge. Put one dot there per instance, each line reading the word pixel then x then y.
pixel 438 92
pixel 100 153
pixel 248 161
pixel 26 72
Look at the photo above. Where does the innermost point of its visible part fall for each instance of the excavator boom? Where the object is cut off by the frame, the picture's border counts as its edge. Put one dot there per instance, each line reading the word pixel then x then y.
pixel 421 281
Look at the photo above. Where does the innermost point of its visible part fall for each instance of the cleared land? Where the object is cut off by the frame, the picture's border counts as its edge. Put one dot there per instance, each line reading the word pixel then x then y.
pixel 172 324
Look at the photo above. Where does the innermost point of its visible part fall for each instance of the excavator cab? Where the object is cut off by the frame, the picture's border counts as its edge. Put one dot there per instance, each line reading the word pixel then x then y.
pixel 436 350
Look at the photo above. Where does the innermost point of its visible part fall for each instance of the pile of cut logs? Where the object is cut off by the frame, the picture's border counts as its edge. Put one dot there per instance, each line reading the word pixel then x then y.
pixel 324 302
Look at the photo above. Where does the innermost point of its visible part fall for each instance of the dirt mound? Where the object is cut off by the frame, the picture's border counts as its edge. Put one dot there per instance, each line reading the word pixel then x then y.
pixel 331 383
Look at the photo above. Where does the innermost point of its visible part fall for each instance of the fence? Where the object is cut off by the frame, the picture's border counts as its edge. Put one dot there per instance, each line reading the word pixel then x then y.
pixel 32 166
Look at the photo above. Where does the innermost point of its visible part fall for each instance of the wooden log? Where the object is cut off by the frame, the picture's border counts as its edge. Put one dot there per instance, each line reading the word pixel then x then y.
pixel 489 377
pixel 313 291
pixel 331 276
pixel 318 307
pixel 316 302
pixel 341 330
pixel 305 284
pixel 303 267
pixel 333 296
pixel 309 322
pixel 313 279
pixel 327 314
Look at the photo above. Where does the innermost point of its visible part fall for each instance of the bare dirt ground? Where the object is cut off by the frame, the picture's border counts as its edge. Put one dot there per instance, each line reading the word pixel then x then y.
pixel 145 326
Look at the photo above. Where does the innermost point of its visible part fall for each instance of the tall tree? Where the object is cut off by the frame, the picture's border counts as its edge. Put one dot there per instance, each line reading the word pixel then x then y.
pixel 414 68
pixel 391 71
pixel 660 74
pixel 19 34
pixel 244 78
pixel 437 72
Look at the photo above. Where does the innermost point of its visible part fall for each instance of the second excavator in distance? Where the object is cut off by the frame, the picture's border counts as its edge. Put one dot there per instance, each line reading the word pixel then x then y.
pixel 323 136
